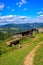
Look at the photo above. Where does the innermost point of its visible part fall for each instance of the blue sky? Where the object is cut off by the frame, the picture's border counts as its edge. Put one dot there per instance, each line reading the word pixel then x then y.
pixel 30 10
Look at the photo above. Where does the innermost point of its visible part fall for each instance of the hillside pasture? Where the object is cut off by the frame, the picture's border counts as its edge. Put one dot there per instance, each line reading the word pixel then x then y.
pixel 16 55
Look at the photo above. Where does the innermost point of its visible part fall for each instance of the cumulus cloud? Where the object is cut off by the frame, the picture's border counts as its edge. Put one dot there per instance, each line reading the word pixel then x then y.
pixel 25 9
pixel 38 19
pixel 41 15
pixel 20 19
pixel 19 4
pixel 1 6
pixel 40 12
pixel 15 19
pixel 8 7
pixel 13 10
pixel 23 1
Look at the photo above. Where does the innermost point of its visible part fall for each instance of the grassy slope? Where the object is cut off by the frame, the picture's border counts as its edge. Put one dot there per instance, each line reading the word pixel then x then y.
pixel 5 49
pixel 16 57
pixel 38 59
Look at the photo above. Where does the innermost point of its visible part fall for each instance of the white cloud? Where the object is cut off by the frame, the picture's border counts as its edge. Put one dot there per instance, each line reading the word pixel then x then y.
pixel 22 16
pixel 38 19
pixel 41 15
pixel 8 7
pixel 40 12
pixel 25 9
pixel 23 1
pixel 1 6
pixel 13 10
pixel 20 19
pixel 14 19
pixel 19 4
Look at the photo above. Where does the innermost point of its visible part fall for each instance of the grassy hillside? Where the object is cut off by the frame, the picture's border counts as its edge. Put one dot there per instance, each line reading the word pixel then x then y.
pixel 5 49
pixel 17 55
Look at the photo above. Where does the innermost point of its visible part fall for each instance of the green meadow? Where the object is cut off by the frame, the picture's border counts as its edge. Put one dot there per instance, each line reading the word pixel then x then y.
pixel 15 56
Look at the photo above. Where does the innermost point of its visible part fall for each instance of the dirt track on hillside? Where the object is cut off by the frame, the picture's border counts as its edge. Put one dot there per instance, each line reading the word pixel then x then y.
pixel 30 57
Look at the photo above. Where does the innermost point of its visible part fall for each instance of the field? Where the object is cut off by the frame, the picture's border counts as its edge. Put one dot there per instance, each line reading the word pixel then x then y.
pixel 16 56
pixel 11 30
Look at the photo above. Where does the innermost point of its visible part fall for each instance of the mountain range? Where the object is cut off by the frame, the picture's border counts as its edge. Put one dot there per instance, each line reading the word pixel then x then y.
pixel 23 27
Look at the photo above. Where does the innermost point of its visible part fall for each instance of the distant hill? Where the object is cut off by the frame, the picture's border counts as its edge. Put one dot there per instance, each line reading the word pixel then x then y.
pixel 22 25
pixel 38 25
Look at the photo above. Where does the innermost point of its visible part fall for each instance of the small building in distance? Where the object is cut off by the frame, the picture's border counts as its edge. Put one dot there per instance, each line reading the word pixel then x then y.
pixel 40 30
